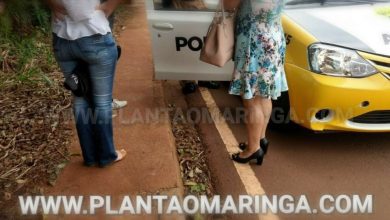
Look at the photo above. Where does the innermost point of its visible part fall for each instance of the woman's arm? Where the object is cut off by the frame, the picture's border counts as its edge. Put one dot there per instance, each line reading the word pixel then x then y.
pixel 109 6
pixel 231 5
pixel 58 10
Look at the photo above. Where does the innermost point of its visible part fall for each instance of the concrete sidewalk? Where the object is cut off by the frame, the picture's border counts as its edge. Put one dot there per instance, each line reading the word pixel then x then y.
pixel 151 166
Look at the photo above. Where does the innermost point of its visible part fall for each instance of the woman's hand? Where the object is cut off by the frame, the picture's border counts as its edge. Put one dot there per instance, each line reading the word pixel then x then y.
pixel 109 6
pixel 58 10
pixel 231 5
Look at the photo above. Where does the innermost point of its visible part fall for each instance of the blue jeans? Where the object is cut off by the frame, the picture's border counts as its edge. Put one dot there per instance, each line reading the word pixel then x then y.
pixel 93 117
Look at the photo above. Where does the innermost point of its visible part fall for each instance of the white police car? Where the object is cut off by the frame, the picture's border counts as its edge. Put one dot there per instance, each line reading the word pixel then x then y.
pixel 337 60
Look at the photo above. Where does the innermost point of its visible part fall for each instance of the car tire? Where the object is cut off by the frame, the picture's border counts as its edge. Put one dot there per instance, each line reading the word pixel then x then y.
pixel 280 117
pixel 188 87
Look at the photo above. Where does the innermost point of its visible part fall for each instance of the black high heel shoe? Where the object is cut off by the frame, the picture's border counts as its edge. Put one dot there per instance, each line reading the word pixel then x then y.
pixel 258 156
pixel 264 143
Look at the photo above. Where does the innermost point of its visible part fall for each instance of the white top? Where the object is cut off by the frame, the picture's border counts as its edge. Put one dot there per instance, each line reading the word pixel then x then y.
pixel 82 20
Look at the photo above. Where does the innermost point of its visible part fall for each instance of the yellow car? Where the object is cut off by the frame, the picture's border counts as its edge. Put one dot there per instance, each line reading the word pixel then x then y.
pixel 337 60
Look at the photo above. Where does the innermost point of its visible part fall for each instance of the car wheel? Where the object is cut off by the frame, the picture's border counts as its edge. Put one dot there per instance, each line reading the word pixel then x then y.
pixel 188 87
pixel 280 117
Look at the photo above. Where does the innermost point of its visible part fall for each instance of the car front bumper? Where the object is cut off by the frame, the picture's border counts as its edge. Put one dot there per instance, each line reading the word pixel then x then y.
pixel 320 102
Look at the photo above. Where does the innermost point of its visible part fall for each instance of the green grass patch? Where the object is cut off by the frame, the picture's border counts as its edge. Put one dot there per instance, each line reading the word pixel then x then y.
pixel 25 50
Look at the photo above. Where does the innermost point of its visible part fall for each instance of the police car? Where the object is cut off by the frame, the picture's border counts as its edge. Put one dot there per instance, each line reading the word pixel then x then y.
pixel 337 61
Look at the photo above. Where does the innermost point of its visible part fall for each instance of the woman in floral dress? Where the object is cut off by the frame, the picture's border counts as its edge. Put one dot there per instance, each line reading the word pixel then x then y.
pixel 259 69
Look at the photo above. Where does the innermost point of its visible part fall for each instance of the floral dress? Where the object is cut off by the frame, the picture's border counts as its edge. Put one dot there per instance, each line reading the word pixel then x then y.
pixel 260 50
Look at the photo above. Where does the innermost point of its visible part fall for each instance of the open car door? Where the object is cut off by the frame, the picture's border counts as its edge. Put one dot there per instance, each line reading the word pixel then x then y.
pixel 177 33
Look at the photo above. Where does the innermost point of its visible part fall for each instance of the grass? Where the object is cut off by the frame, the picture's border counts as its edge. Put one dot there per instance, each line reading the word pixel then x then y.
pixel 25 53
pixel 26 60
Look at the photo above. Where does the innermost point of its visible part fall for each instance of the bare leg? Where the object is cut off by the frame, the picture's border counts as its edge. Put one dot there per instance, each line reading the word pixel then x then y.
pixel 266 105
pixel 254 125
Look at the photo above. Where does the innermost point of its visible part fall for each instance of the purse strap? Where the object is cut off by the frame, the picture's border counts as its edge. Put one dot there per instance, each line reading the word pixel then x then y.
pixel 222 9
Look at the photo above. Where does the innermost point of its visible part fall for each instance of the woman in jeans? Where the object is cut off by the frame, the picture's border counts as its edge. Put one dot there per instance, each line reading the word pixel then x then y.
pixel 81 32
pixel 259 69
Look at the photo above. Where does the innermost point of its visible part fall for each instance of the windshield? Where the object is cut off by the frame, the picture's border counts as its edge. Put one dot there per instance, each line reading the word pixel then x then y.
pixel 332 2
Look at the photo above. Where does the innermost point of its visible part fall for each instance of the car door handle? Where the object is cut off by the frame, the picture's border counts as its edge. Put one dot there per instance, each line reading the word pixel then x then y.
pixel 163 26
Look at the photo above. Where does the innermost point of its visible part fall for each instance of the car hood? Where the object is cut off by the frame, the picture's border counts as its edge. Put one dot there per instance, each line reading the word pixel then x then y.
pixel 359 27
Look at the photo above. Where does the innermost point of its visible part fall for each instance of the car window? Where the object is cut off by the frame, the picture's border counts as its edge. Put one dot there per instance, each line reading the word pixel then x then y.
pixel 185 5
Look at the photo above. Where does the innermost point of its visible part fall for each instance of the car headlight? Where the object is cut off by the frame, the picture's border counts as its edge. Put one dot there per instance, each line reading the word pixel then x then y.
pixel 337 61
